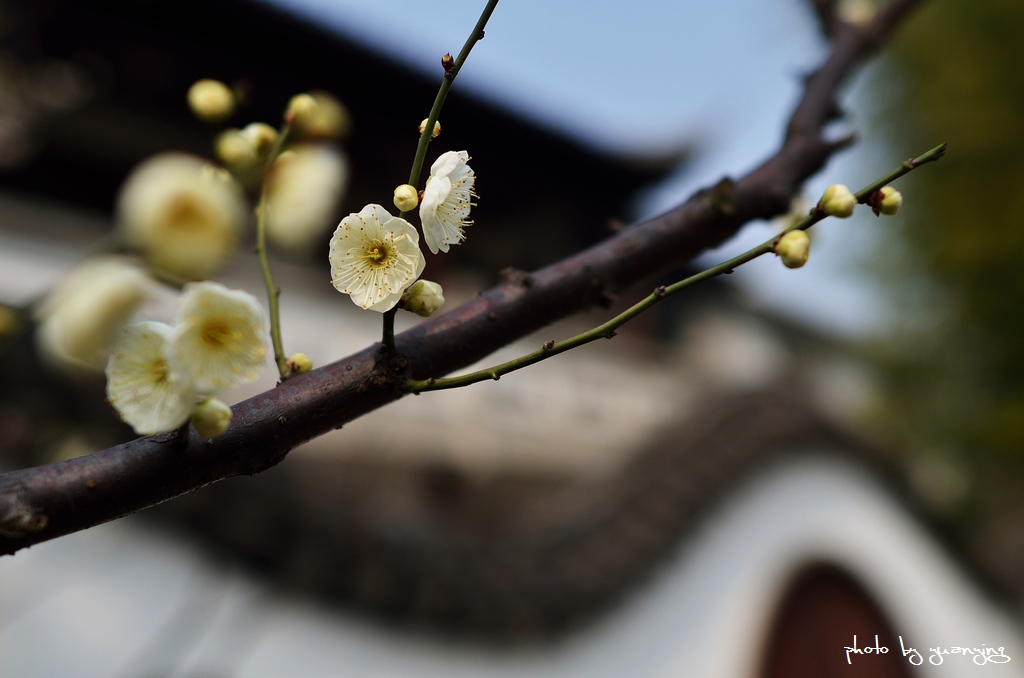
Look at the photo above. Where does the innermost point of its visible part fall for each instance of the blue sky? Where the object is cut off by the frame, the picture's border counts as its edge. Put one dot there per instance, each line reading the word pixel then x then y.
pixel 647 75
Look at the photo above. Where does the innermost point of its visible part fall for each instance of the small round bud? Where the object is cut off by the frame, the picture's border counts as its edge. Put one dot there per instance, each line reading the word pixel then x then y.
pixel 233 149
pixel 211 417
pixel 437 127
pixel 837 201
pixel 328 119
pixel 857 12
pixel 211 100
pixel 300 363
pixel 423 297
pixel 261 138
pixel 887 200
pixel 301 109
pixel 406 197
pixel 794 248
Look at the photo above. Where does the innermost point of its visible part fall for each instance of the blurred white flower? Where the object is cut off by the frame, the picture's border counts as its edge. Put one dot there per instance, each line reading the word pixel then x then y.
pixel 305 186
pixel 446 201
pixel 80 318
pixel 218 341
pixel 141 386
pixel 185 220
pixel 374 257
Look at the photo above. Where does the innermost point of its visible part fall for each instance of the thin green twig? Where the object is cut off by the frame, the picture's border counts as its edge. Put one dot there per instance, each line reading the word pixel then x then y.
pixel 607 330
pixel 273 291
pixel 442 93
pixel 450 71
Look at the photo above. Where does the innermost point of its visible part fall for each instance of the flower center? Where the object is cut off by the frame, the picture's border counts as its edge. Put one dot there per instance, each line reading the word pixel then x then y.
pixel 160 371
pixel 216 334
pixel 184 213
pixel 376 254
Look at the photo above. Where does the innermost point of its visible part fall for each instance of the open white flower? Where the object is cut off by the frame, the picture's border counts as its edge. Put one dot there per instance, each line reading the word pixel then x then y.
pixel 374 257
pixel 80 319
pixel 185 220
pixel 446 201
pixel 304 189
pixel 218 341
pixel 141 386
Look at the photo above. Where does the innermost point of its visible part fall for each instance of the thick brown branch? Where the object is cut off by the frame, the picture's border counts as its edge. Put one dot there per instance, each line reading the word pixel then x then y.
pixel 50 501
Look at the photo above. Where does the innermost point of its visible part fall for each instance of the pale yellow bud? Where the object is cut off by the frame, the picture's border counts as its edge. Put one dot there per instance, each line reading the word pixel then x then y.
pixel 211 100
pixel 857 12
pixel 261 138
pixel 837 201
pixel 301 109
pixel 234 149
pixel 300 363
pixel 889 201
pixel 211 417
pixel 794 248
pixel 423 297
pixel 437 127
pixel 406 197
pixel 328 119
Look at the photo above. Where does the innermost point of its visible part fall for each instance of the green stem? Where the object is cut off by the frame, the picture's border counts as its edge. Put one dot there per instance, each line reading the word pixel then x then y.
pixel 273 291
pixel 388 339
pixel 442 93
pixel 607 330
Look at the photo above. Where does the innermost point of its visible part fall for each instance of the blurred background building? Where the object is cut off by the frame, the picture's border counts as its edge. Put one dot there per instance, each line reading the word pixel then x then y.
pixel 726 489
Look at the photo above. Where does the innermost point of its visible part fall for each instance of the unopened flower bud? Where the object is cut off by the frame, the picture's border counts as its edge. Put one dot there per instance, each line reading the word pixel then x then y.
pixel 300 363
pixel 887 200
pixel 794 248
pixel 437 127
pixel 211 417
pixel 326 119
pixel 837 201
pixel 233 149
pixel 857 12
pixel 301 109
pixel 406 197
pixel 261 138
pixel 211 100
pixel 423 298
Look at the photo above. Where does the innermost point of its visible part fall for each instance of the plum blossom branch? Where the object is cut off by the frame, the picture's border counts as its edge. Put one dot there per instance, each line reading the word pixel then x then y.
pixel 49 501
pixel 607 330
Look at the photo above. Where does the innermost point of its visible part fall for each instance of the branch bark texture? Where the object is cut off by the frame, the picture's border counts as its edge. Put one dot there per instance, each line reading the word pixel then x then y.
pixel 42 503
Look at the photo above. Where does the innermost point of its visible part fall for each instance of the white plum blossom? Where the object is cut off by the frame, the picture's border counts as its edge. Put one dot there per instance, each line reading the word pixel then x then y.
pixel 444 210
pixel 219 340
pixel 141 386
pixel 183 217
pixel 375 257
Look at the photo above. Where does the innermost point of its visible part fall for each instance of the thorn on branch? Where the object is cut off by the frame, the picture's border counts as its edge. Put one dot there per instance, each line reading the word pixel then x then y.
pixel 659 292
pixel 495 376
pixel 431 381
pixel 549 344
pixel 611 334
